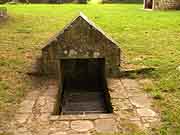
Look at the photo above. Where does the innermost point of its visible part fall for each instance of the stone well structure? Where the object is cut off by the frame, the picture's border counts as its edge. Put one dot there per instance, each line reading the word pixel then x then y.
pixel 81 39
pixel 81 56
pixel 162 4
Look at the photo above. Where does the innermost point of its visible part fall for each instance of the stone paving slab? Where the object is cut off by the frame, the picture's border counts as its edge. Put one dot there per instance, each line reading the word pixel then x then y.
pixel 144 112
pixel 136 107
pixel 130 84
pixel 21 118
pixel 26 106
pixel 106 126
pixel 121 104
pixel 127 115
pixel 141 101
pixel 82 125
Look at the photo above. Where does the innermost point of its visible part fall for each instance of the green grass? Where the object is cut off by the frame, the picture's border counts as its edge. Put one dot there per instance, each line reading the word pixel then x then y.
pixel 146 38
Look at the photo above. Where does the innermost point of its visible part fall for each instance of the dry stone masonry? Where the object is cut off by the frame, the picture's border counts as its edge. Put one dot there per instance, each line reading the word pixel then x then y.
pixel 81 56
pixel 122 1
pixel 46 1
pixel 162 4
pixel 80 39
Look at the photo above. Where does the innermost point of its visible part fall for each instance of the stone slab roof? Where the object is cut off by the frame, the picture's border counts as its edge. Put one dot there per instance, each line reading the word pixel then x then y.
pixel 85 18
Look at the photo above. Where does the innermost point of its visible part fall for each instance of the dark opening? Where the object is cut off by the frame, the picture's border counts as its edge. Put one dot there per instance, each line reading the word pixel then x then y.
pixel 148 4
pixel 84 87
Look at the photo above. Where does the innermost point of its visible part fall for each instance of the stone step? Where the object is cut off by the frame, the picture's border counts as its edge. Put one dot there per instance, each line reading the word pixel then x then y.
pixel 79 97
pixel 82 101
pixel 85 106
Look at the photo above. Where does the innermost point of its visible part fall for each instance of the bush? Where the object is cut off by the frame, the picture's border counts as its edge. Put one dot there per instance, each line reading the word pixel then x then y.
pixel 3 1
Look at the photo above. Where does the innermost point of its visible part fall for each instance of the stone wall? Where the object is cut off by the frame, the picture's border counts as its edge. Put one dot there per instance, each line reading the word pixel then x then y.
pixel 80 39
pixel 53 1
pixel 35 1
pixel 3 12
pixel 166 4
pixel 68 1
pixel 122 1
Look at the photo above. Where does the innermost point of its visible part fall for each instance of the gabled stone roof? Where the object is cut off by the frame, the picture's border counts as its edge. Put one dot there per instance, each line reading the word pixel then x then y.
pixel 85 18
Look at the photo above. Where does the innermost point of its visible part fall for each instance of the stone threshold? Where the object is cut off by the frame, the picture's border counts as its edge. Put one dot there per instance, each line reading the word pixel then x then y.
pixel 80 117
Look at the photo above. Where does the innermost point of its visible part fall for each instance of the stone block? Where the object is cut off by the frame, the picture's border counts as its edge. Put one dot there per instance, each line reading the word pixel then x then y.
pixel 144 112
pixel 22 118
pixel 26 106
pixel 130 84
pixel 106 126
pixel 59 126
pixel 141 101
pixel 121 104
pixel 82 125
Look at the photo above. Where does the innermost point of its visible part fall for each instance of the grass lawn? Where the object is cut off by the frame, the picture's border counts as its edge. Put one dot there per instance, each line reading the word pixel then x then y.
pixel 146 38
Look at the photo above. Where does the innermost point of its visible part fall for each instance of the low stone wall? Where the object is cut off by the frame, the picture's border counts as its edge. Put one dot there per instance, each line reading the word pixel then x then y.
pixel 166 4
pixel 3 12
pixel 122 1
pixel 53 1
pixel 70 1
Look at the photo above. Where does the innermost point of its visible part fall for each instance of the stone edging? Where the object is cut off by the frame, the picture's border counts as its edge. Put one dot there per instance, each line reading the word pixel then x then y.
pixel 81 117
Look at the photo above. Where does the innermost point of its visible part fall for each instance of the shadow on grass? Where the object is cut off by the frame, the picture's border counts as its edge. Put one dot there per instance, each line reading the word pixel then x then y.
pixel 136 73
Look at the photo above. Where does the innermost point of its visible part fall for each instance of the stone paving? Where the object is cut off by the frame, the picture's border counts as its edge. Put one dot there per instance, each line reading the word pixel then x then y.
pixel 131 106
pixel 134 105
